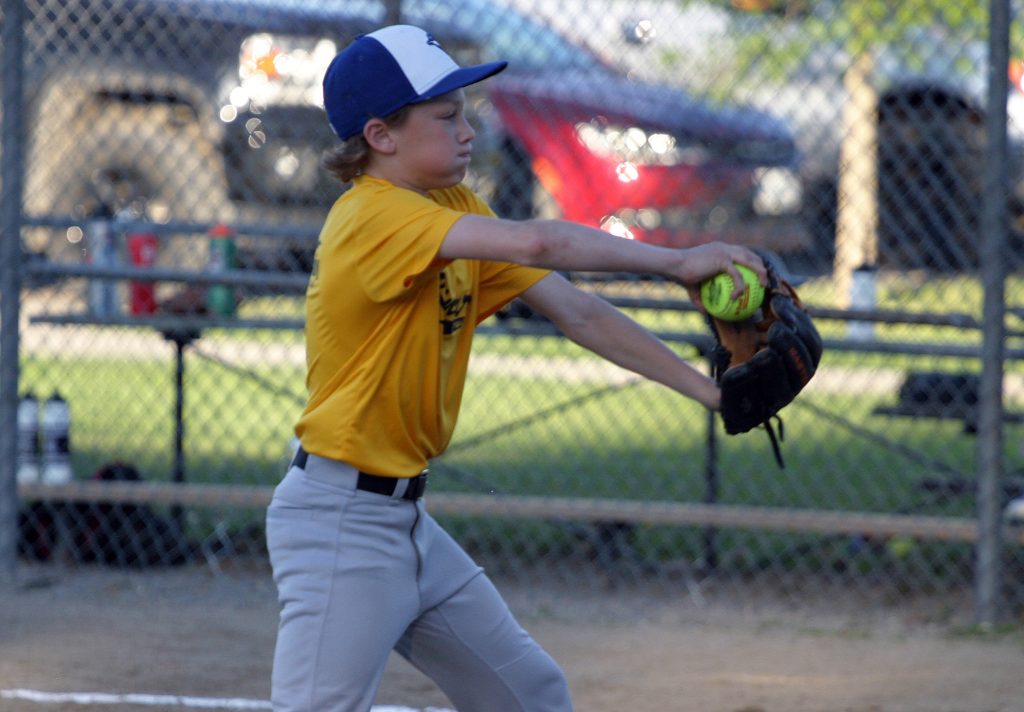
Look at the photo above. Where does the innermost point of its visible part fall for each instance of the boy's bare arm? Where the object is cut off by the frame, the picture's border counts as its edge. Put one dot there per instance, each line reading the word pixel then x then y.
pixel 598 326
pixel 561 245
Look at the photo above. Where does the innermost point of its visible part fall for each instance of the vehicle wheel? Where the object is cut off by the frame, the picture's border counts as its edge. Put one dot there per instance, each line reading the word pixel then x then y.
pixel 818 213
pixel 930 146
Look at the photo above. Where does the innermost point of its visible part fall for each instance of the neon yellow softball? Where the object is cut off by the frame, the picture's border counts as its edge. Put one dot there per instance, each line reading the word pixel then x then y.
pixel 716 294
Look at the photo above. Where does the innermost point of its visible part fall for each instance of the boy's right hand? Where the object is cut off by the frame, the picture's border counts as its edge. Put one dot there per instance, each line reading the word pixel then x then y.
pixel 706 261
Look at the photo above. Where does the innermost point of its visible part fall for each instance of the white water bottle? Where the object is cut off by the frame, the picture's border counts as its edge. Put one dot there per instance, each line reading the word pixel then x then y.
pixel 863 295
pixel 28 439
pixel 56 439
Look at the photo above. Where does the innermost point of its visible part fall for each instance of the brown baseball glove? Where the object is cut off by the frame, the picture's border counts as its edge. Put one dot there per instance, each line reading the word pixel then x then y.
pixel 763 362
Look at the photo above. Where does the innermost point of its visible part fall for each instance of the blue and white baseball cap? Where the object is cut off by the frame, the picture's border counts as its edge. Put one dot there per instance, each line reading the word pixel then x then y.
pixel 383 71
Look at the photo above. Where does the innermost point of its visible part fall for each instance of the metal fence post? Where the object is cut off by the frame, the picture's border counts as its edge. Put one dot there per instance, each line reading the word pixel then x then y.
pixel 11 160
pixel 711 480
pixel 994 227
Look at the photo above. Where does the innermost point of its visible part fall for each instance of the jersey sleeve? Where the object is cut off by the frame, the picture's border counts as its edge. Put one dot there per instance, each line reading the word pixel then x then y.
pixel 501 282
pixel 409 230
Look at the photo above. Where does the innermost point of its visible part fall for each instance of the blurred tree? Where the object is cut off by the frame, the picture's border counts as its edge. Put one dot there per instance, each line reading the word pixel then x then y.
pixel 777 36
pixel 786 8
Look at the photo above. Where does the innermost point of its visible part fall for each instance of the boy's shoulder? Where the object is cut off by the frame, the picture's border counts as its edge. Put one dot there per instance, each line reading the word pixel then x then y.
pixel 461 197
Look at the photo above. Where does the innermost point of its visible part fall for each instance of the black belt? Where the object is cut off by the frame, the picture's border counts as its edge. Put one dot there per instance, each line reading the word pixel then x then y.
pixel 378 484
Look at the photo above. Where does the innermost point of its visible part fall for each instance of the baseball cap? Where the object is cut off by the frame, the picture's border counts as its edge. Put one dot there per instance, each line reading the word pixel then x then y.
pixel 383 71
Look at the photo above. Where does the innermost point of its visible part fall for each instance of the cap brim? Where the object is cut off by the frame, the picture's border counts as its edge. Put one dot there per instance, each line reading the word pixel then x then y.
pixel 463 77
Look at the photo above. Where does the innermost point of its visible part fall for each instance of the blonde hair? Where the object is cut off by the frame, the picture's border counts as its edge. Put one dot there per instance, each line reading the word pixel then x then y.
pixel 348 159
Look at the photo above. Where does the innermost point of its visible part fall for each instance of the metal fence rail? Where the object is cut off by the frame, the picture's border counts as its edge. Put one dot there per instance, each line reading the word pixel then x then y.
pixel 501 506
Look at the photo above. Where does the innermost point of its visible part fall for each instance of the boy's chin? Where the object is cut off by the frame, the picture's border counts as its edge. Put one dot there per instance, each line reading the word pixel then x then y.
pixel 448 180
pixel 454 179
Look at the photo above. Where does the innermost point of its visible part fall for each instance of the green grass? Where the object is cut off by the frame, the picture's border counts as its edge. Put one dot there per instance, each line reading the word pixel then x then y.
pixel 123 410
pixel 538 433
pixel 533 434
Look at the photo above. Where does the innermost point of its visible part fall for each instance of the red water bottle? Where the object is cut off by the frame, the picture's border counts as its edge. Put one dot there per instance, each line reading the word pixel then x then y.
pixel 142 246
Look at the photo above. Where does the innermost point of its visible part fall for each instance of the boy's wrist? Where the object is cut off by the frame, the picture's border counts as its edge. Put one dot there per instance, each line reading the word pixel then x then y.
pixel 676 265
pixel 711 398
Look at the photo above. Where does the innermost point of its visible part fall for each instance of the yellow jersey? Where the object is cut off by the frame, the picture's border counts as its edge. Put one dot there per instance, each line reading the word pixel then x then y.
pixel 389 325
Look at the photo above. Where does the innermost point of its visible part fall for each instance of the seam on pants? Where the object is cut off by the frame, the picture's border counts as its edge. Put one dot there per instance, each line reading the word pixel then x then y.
pixel 420 516
pixel 497 670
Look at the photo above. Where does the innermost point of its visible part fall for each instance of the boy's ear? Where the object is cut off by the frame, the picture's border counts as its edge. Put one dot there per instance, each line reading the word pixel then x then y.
pixel 378 136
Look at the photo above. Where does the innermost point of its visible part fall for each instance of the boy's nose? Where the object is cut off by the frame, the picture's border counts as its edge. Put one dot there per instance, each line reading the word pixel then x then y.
pixel 468 132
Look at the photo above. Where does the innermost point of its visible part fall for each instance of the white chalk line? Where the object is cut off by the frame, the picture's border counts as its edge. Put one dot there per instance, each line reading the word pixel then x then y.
pixel 107 698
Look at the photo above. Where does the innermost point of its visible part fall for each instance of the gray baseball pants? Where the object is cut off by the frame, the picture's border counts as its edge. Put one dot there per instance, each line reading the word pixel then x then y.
pixel 359 574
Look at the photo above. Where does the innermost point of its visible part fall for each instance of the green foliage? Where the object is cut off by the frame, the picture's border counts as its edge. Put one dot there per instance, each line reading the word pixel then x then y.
pixel 773 44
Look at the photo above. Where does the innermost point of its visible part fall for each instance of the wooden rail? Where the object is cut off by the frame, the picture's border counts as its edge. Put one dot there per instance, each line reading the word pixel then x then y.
pixel 780 519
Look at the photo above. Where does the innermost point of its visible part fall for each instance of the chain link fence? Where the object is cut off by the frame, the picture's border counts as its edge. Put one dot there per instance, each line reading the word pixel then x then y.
pixel 170 198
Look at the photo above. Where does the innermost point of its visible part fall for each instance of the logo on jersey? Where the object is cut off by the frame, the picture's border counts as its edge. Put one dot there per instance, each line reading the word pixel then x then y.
pixel 453 305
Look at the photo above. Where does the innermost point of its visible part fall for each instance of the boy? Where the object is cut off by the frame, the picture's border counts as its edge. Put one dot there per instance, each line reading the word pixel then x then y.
pixel 409 262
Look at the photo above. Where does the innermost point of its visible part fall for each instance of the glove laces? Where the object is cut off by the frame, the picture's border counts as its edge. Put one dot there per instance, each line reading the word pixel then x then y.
pixel 776 439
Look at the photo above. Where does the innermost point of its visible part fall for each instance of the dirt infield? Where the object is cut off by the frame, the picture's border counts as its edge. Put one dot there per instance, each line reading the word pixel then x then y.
pixel 190 633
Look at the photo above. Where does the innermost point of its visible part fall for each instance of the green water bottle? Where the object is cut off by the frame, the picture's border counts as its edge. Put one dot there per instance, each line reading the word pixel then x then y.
pixel 220 298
